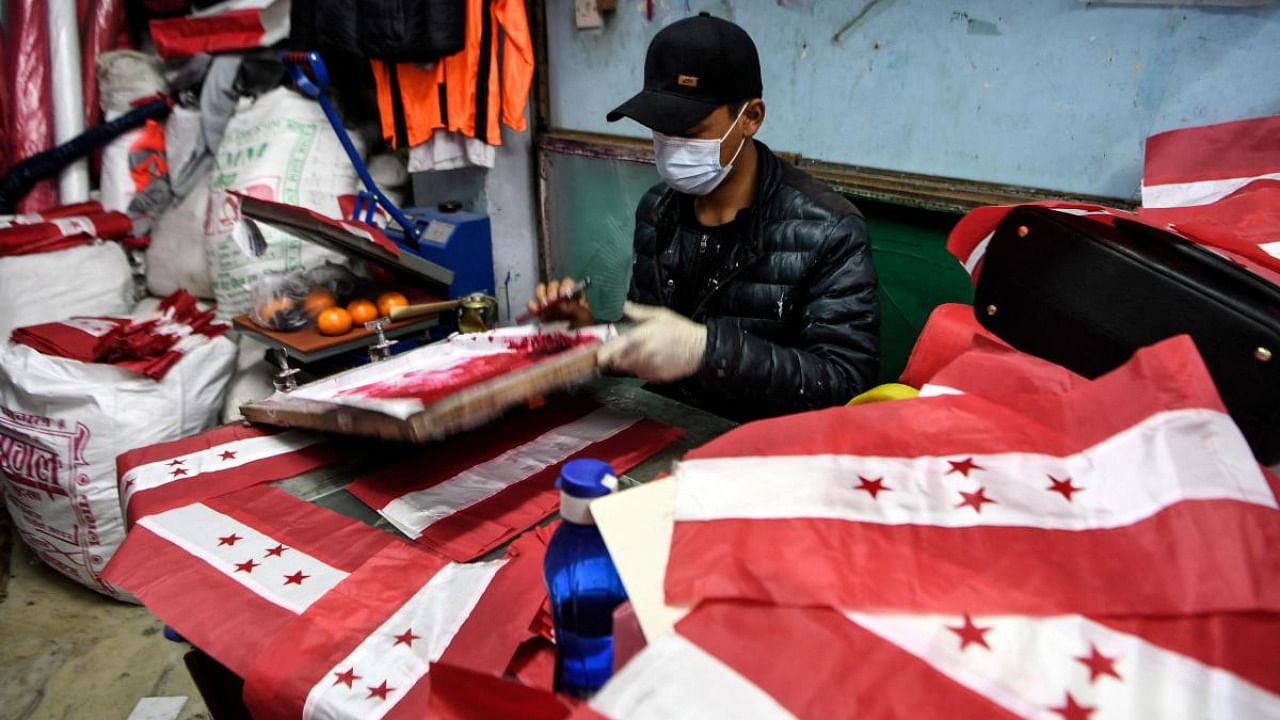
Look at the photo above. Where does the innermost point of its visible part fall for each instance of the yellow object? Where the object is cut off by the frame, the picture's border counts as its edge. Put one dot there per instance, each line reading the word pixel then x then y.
pixel 888 391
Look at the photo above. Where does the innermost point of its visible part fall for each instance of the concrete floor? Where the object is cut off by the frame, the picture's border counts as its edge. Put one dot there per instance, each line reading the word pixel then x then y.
pixel 68 653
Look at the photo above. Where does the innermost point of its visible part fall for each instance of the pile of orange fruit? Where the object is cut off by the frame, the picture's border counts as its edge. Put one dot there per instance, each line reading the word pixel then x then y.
pixel 332 319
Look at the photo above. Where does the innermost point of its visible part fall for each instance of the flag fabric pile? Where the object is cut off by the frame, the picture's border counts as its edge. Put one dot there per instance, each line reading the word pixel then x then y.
pixel 150 346
pixel 326 617
pixel 64 227
pixel 495 482
pixel 1029 544
pixel 1220 186
pixel 168 475
pixel 364 650
pixel 1217 185
pixel 321 615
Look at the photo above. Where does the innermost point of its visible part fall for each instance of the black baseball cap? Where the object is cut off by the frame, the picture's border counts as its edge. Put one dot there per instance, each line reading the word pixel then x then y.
pixel 693 66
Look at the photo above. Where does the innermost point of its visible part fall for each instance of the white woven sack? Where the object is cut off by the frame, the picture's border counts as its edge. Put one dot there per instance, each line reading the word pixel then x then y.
pixel 177 258
pixel 46 287
pixel 62 424
pixel 280 148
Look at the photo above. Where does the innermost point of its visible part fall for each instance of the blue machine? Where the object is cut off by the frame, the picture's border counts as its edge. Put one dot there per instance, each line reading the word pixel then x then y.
pixel 460 241
pixel 456 240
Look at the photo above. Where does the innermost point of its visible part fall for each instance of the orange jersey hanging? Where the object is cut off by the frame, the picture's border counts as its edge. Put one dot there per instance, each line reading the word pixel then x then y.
pixel 414 101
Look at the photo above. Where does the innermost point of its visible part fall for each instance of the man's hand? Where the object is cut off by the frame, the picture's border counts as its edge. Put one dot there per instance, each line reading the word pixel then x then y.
pixel 663 347
pixel 576 310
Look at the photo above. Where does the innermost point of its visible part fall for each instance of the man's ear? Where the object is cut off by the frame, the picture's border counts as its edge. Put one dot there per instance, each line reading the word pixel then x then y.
pixel 753 117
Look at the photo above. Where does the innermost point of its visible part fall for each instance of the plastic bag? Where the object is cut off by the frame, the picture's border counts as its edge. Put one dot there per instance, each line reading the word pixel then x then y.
pixel 277 301
pixel 340 280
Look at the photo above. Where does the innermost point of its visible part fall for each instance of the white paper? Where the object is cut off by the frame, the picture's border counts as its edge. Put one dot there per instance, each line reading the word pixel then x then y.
pixel 637 524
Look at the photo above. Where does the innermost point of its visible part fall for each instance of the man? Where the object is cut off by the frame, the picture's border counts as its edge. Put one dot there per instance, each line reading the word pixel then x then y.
pixel 752 288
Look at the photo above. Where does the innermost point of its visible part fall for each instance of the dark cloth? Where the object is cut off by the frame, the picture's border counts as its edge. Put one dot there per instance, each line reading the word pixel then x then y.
pixel 787 291
pixel 394 30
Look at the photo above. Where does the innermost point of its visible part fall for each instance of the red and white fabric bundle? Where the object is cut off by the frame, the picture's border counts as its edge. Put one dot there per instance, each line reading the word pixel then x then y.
pixel 1029 544
pixel 222 27
pixel 326 617
pixel 54 230
pixel 494 483
pixel 150 346
pixel 1217 185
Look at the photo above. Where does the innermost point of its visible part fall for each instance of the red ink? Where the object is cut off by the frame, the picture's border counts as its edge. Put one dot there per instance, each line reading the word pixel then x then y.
pixel 428 386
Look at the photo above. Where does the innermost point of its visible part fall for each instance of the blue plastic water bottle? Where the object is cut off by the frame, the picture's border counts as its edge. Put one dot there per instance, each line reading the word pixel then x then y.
pixel 582 581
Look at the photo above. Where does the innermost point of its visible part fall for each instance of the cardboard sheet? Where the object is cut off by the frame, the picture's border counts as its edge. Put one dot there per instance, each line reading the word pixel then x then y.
pixel 637 524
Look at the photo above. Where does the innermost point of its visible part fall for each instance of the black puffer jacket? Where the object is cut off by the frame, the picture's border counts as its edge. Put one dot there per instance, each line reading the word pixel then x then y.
pixel 787 292
pixel 392 30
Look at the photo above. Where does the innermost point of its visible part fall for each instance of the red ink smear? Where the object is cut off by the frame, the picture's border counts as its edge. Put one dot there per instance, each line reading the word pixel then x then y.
pixel 429 386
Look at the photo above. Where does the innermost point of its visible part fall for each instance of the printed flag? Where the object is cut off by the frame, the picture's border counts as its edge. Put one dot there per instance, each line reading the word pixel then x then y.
pixel 231 25
pixel 232 457
pixel 1220 186
pixel 1217 185
pixel 151 345
pixel 951 330
pixel 231 572
pixel 470 495
pixel 1130 494
pixel 52 230
pixel 737 660
pixel 365 650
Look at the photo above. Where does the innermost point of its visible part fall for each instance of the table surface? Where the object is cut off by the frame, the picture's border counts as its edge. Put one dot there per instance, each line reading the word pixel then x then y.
pixel 326 486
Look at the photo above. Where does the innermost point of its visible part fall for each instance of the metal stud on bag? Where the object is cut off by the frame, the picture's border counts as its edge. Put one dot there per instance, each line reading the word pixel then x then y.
pixel 992 310
pixel 1262 354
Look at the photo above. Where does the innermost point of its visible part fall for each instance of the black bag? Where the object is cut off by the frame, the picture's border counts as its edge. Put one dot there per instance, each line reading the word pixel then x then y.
pixel 1086 295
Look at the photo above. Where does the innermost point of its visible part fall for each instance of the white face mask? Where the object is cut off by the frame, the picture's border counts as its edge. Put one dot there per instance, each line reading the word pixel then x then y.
pixel 692 165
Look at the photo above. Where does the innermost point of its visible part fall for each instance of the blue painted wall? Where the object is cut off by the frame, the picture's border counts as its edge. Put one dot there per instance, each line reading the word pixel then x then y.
pixel 1056 94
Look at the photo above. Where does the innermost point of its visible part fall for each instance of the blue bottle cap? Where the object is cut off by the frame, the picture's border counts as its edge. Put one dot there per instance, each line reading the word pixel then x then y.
pixel 584 478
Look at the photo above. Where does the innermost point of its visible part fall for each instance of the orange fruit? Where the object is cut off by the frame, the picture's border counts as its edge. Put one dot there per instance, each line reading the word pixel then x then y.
pixel 267 311
pixel 362 311
pixel 317 301
pixel 389 301
pixel 333 321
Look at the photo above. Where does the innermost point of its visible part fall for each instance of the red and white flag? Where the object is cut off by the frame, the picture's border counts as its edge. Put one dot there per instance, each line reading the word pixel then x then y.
pixel 1097 499
pixel 738 660
pixel 950 330
pixel 1220 186
pixel 231 572
pixel 91 207
pixel 232 457
pixel 484 487
pixel 365 650
pixel 49 231
pixel 151 345
pixel 229 25
pixel 1217 185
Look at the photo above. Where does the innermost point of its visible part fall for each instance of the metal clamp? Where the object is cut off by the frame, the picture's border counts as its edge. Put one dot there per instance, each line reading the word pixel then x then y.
pixel 284 379
pixel 382 349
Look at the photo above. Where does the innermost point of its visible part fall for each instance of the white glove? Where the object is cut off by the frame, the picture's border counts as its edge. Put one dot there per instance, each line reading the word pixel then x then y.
pixel 663 347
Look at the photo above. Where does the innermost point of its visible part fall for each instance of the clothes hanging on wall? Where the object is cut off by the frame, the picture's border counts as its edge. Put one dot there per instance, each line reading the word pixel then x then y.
pixel 488 80
pixel 448 150
pixel 392 30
